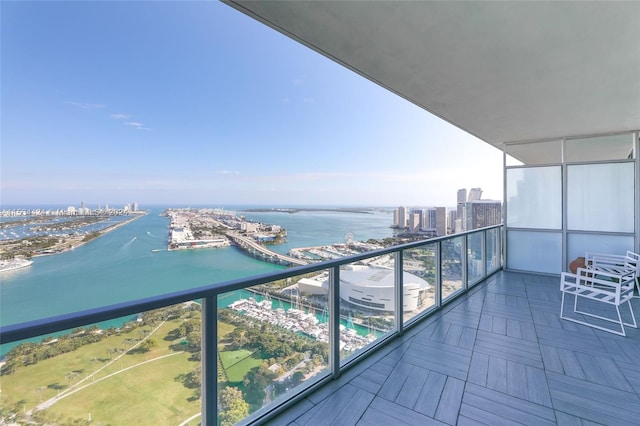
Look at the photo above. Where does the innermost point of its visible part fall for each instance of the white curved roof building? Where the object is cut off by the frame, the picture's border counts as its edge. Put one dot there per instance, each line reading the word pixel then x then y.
pixel 370 287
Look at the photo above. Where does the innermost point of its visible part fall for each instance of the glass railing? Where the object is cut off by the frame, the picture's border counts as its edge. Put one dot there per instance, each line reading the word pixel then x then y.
pixel 239 351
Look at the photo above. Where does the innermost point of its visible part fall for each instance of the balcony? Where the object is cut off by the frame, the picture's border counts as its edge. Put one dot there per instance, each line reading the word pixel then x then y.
pixel 481 346
pixel 370 300
pixel 497 355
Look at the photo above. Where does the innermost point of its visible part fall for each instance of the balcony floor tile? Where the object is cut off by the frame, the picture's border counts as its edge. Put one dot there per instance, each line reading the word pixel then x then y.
pixel 498 355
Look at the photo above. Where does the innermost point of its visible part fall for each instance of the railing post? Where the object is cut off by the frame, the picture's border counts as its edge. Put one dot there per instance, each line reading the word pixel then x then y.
pixel 399 293
pixel 483 256
pixel 465 262
pixel 334 321
pixel 209 357
pixel 438 283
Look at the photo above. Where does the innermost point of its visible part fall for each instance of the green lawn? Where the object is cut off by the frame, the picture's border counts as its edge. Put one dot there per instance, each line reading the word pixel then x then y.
pixel 236 373
pixel 145 394
pixel 229 358
pixel 47 378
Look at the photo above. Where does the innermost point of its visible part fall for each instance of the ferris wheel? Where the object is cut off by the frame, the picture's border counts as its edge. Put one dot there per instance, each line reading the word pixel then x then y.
pixel 348 238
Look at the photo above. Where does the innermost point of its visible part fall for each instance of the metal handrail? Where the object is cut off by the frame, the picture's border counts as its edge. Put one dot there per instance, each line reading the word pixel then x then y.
pixel 29 329
pixel 208 294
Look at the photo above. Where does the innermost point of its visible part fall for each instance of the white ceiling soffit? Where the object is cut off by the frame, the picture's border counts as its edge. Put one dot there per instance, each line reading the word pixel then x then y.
pixel 502 71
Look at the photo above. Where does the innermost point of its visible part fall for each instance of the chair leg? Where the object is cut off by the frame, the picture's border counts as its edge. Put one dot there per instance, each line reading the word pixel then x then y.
pixel 633 317
pixel 620 321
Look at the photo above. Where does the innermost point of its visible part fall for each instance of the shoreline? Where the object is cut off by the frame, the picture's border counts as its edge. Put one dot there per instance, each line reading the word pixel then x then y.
pixel 76 241
pixel 294 210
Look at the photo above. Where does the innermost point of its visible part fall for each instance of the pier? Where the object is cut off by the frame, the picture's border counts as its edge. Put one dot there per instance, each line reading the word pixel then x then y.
pixel 263 253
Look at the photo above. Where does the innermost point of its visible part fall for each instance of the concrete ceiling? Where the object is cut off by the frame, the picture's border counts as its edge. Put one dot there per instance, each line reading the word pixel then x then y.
pixel 502 71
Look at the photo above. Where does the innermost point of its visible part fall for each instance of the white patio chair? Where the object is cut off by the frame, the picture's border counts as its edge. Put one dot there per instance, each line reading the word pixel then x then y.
pixel 615 264
pixel 611 288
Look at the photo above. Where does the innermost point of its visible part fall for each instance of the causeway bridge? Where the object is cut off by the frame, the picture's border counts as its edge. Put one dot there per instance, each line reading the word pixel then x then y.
pixel 261 252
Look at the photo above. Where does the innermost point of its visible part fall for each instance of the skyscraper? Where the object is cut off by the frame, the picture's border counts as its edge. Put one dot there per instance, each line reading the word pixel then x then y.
pixel 401 219
pixel 475 194
pixel 462 199
pixel 414 220
pixel 441 221
pixel 481 213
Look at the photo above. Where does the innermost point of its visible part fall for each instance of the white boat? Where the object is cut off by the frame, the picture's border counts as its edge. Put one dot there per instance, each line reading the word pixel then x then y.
pixel 11 264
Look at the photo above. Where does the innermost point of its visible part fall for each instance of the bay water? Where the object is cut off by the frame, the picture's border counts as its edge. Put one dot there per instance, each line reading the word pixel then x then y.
pixel 120 265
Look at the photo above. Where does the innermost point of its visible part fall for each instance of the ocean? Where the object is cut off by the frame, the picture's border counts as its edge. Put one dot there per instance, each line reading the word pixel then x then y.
pixel 121 266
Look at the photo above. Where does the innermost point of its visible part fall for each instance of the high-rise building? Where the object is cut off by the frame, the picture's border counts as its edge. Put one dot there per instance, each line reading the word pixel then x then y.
pixel 441 221
pixel 452 215
pixel 431 218
pixel 475 194
pixel 461 201
pixel 414 220
pixel 401 219
pixel 135 207
pixel 481 213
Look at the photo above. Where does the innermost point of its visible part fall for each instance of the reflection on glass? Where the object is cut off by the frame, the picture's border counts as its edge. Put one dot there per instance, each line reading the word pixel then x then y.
pixel 108 373
pixel 599 148
pixel 493 258
pixel 451 267
pixel 534 251
pixel 534 197
pixel 578 244
pixel 475 257
pixel 271 339
pixel 419 266
pixel 600 197
pixel 367 303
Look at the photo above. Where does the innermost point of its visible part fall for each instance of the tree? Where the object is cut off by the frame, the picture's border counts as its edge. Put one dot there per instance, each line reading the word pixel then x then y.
pixel 147 345
pixel 233 407
pixel 297 377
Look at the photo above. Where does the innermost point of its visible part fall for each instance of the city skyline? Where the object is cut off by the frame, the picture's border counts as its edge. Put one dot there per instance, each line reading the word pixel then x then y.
pixel 197 104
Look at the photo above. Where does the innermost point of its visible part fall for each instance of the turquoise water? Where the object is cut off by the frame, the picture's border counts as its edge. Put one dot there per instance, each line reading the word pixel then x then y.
pixel 120 265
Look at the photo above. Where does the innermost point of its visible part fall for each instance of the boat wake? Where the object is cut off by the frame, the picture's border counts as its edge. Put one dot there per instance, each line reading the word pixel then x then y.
pixel 129 243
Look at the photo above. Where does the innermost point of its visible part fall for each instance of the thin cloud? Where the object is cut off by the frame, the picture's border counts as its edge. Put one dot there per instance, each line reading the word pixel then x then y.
pixel 227 172
pixel 84 105
pixel 134 124
pixel 120 116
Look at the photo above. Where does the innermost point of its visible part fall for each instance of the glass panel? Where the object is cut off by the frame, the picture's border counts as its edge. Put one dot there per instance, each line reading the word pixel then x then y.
pixel 367 303
pixel 578 244
pixel 534 197
pixel 108 373
pixel 534 251
pixel 494 257
pixel 475 257
pixel 451 267
pixel 600 197
pixel 547 152
pixel 419 279
pixel 271 339
pixel 601 148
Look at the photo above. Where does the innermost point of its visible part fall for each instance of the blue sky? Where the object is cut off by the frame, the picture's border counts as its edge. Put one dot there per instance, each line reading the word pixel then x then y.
pixel 195 103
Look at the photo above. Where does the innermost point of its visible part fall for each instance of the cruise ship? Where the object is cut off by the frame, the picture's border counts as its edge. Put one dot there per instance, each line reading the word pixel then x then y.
pixel 11 264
